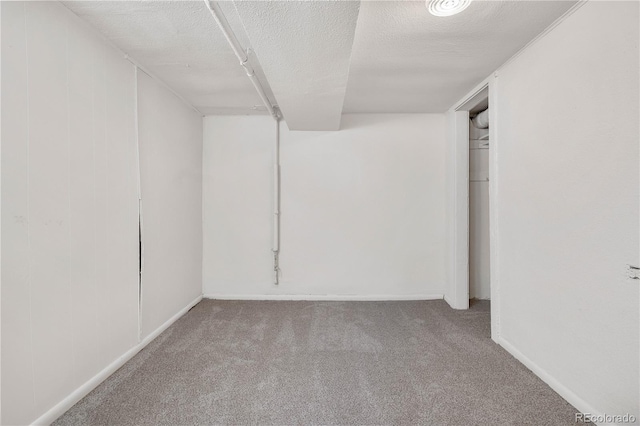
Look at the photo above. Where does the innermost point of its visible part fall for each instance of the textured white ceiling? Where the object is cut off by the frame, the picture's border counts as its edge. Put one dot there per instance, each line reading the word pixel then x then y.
pixel 401 59
pixel 181 44
pixel 406 60
pixel 304 49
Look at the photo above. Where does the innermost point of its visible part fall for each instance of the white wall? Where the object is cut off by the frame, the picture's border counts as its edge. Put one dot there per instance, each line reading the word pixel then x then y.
pixel 70 208
pixel 567 200
pixel 237 204
pixel 171 179
pixel 69 201
pixel 362 208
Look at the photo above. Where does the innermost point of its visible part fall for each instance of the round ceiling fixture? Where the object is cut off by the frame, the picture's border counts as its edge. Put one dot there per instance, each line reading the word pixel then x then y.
pixel 447 7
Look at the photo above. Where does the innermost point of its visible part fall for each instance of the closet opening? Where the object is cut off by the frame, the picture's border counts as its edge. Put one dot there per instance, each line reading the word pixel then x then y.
pixel 475 218
pixel 479 235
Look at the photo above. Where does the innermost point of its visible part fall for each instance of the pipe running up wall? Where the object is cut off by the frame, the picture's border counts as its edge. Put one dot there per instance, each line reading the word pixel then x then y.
pixel 242 56
pixel 276 205
pixel 240 52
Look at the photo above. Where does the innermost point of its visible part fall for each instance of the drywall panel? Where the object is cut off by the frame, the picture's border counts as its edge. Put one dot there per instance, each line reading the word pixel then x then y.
pixel 69 270
pixel 362 209
pixel 17 381
pixel 567 126
pixel 171 180
pixel 121 228
pixel 83 58
pixel 48 203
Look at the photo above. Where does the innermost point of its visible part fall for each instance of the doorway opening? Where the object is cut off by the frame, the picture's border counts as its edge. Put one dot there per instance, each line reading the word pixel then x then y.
pixel 479 235
pixel 475 224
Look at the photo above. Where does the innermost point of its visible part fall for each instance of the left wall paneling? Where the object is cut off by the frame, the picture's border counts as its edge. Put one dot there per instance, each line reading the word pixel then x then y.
pixel 69 198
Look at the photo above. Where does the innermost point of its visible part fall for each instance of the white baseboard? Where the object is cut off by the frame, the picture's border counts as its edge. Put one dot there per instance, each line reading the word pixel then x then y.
pixel 457 304
pixel 329 297
pixel 452 303
pixel 580 404
pixel 60 408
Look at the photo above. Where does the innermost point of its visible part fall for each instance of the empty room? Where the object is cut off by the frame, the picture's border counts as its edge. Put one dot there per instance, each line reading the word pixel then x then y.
pixel 317 212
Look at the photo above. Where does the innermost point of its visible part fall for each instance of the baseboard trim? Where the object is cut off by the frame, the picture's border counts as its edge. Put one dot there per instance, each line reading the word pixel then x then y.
pixel 328 297
pixel 580 404
pixel 75 396
pixel 453 304
pixel 449 301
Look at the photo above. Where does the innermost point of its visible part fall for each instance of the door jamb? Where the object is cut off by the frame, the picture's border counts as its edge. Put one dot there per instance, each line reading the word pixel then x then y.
pixel 460 273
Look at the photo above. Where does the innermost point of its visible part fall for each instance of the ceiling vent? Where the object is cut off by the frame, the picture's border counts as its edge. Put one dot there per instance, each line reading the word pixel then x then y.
pixel 447 7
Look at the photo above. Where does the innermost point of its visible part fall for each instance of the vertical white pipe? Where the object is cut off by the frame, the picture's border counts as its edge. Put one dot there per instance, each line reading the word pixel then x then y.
pixel 276 191
pixel 276 204
pixel 241 54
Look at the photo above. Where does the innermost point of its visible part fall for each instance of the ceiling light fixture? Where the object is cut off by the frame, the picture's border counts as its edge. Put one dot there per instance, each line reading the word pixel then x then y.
pixel 447 7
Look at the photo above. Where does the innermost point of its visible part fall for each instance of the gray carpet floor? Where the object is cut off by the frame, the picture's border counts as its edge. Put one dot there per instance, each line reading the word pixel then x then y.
pixel 311 363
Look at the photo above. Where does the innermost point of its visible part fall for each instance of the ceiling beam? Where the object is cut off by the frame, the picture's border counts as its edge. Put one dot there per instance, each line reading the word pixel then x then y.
pixel 304 49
